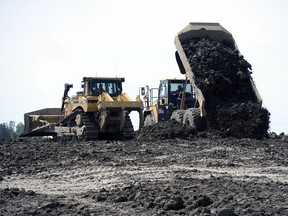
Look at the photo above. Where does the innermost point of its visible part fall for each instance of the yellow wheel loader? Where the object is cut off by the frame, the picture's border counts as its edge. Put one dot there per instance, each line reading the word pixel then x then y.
pixel 100 109
pixel 168 101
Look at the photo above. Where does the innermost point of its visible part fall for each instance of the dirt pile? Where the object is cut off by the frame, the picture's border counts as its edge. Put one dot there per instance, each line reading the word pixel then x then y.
pixel 165 130
pixel 224 79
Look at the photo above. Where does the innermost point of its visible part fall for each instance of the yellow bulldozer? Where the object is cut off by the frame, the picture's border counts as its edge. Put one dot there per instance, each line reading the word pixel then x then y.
pixel 101 109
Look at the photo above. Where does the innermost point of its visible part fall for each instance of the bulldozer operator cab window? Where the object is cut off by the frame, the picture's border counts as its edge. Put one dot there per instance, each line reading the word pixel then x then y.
pixel 113 88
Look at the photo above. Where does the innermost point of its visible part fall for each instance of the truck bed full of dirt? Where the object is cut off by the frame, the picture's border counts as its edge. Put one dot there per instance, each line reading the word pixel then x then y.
pixel 223 75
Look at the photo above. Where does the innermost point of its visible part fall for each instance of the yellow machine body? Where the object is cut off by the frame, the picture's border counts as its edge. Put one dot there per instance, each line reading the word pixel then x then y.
pixel 100 108
pixel 161 102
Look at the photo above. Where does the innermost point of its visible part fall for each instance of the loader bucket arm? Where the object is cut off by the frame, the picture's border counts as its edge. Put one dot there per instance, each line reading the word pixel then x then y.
pixel 66 90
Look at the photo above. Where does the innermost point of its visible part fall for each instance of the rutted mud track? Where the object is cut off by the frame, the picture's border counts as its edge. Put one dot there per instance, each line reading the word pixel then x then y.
pixel 205 175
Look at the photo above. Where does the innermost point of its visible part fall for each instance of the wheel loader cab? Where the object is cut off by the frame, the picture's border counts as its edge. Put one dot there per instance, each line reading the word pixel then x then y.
pixel 170 95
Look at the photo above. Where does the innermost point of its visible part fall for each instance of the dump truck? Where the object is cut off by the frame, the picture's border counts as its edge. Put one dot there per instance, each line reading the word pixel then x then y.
pixel 101 109
pixel 219 76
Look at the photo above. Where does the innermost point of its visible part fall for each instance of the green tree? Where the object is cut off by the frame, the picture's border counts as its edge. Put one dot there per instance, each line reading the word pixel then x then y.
pixel 10 131
pixel 19 128
pixel 11 125
pixel 4 131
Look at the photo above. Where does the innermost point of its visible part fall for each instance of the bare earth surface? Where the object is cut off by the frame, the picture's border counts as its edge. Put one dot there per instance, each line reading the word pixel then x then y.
pixel 167 169
pixel 204 174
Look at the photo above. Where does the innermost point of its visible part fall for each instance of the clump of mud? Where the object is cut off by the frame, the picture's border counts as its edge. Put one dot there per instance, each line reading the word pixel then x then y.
pixel 243 120
pixel 165 130
pixel 18 201
pixel 223 75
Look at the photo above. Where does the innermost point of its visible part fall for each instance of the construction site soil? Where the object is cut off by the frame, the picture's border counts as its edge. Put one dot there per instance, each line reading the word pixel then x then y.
pixel 233 168
pixel 167 170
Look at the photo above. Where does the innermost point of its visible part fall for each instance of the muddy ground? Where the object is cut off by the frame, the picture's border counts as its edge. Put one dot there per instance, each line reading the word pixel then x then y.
pixel 173 173
pixel 233 168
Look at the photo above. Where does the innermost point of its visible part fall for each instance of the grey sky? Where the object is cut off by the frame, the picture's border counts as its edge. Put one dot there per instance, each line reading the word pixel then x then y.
pixel 44 44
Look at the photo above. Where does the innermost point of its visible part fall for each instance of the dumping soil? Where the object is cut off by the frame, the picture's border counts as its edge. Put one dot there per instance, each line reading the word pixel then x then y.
pixel 224 77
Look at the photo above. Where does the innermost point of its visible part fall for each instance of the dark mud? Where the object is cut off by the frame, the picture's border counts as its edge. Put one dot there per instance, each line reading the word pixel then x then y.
pixel 224 77
pixel 165 130
pixel 205 175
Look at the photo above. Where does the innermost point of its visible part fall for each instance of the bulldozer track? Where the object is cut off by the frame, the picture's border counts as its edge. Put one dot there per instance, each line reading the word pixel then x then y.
pixel 128 130
pixel 91 126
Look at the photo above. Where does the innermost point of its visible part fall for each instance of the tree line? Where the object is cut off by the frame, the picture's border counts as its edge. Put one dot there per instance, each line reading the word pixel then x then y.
pixel 11 130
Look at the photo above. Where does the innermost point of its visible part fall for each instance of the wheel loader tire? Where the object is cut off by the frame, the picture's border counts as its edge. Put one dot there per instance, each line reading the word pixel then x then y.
pixel 193 119
pixel 177 115
pixel 149 120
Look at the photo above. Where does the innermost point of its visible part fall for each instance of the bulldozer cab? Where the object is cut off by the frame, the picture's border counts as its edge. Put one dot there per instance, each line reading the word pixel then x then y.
pixel 96 86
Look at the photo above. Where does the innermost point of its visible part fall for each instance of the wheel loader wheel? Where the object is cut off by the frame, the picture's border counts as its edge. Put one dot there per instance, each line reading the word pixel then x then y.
pixel 193 119
pixel 177 115
pixel 148 120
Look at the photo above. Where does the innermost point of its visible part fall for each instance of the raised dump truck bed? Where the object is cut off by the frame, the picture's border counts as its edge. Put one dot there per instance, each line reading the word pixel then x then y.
pixel 221 78
pixel 198 31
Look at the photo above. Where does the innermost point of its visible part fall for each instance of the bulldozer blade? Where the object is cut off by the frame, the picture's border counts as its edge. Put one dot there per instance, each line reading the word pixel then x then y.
pixel 37 123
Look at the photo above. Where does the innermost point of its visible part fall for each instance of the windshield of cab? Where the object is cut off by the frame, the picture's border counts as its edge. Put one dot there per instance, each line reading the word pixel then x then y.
pixel 178 87
pixel 112 87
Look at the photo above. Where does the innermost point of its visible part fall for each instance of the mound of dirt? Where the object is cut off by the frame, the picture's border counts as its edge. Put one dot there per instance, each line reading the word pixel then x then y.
pixel 165 130
pixel 224 78
pixel 243 120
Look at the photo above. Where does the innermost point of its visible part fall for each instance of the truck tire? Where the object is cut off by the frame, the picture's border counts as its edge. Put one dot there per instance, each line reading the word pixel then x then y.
pixel 148 121
pixel 177 115
pixel 193 119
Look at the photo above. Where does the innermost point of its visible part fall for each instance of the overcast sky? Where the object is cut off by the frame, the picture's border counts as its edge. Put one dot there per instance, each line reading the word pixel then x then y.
pixel 44 44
